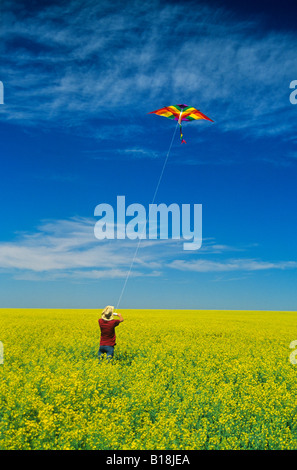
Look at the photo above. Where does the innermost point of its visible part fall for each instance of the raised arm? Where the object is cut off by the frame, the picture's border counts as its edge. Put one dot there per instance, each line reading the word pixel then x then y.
pixel 120 317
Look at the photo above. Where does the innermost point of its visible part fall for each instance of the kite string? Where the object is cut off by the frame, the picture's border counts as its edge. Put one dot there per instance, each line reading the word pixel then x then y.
pixel 144 228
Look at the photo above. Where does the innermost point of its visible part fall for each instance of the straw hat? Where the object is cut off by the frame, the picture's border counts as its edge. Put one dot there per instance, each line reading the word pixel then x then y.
pixel 107 313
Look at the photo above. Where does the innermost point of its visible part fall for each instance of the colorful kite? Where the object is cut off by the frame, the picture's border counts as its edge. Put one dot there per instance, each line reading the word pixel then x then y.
pixel 181 112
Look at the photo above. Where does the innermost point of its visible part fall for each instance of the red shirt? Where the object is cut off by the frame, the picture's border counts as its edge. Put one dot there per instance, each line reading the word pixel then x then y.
pixel 108 336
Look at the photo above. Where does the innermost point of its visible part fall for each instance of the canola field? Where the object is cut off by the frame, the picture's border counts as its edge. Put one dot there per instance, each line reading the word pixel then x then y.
pixel 179 380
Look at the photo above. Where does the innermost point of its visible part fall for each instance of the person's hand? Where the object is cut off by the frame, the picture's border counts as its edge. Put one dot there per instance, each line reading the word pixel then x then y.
pixel 116 314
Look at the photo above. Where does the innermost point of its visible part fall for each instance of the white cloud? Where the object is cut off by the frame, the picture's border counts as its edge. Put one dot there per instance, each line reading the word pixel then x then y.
pixel 68 249
pixel 105 60
pixel 206 266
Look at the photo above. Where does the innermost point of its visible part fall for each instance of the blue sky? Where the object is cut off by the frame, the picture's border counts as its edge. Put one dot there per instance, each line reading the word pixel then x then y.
pixel 79 81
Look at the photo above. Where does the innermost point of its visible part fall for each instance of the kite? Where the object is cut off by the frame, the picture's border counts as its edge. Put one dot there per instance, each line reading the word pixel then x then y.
pixel 178 112
pixel 181 112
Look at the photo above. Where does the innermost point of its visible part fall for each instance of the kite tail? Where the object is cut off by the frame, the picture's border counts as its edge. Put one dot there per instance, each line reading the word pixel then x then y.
pixel 181 135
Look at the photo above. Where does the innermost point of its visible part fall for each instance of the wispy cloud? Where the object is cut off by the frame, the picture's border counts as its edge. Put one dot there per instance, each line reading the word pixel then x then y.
pixel 206 266
pixel 72 63
pixel 130 153
pixel 68 249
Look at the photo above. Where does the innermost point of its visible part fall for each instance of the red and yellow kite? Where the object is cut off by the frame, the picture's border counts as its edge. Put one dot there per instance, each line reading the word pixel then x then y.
pixel 181 112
